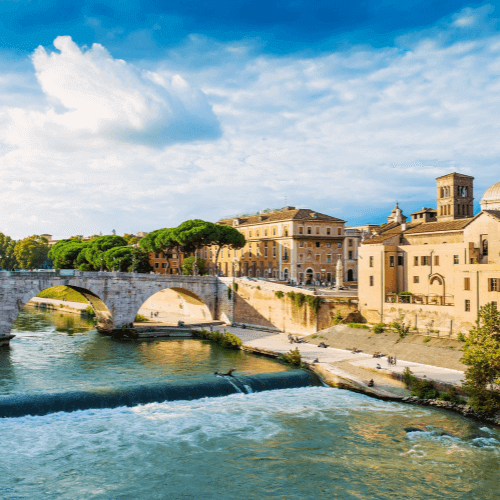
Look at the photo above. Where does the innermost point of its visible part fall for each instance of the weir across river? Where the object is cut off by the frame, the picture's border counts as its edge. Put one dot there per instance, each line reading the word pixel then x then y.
pixel 115 296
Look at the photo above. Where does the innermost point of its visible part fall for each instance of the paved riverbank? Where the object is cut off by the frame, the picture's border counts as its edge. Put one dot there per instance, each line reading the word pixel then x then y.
pixel 343 368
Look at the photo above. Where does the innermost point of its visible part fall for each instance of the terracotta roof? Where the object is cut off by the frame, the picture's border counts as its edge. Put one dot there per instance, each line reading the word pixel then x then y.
pixel 434 227
pixel 296 214
pixel 380 238
pixel 424 210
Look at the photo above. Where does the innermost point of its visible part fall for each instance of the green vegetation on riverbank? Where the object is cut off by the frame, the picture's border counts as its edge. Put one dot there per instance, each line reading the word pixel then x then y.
pixel 61 293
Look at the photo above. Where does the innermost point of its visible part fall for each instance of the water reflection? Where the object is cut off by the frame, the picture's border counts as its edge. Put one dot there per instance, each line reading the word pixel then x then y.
pixel 56 352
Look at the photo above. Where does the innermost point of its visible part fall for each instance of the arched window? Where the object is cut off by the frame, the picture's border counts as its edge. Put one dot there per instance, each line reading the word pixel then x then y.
pixel 485 247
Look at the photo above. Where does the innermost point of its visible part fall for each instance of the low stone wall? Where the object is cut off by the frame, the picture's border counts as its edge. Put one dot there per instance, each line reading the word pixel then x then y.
pixel 256 304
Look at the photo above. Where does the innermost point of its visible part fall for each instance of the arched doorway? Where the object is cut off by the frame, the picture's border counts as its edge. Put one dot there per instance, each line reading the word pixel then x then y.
pixel 350 275
pixel 309 276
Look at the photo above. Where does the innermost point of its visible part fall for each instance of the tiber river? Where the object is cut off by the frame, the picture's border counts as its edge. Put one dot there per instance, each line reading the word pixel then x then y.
pixel 306 443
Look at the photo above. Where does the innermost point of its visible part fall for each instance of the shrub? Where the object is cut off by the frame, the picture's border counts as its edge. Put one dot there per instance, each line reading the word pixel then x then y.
pixel 461 337
pixel 337 319
pixel 89 311
pixel 451 395
pixel 426 339
pixel 139 318
pixel 229 294
pixel 423 389
pixel 348 302
pixel 379 328
pixel 235 287
pixel 401 328
pixel 293 357
pixel 228 340
pixel 279 294
pixel 314 336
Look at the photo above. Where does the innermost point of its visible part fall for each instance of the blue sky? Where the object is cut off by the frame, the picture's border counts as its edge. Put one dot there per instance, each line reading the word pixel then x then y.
pixel 138 115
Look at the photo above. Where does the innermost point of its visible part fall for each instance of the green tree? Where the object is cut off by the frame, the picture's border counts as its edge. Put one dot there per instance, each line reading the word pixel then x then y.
pixel 65 252
pixel 31 252
pixel 201 266
pixel 93 253
pixel 195 234
pixel 7 255
pixel 482 356
pixel 118 258
pixel 132 239
pixel 227 236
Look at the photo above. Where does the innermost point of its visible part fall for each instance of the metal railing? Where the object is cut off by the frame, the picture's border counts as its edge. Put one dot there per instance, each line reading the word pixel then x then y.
pixel 428 300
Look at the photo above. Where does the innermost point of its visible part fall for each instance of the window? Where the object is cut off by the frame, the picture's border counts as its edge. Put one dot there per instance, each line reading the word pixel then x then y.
pixel 317 257
pixel 249 234
pixel 467 305
pixel 371 280
pixel 317 230
pixel 301 244
pixel 309 230
pixel 301 230
pixel 328 259
pixel 455 259
pixel 415 261
pixel 350 254
pixel 416 279
pixel 229 253
pixel 317 244
pixel 211 253
pixel 157 255
pixel 400 260
pixel 466 283
pixel 257 250
pixel 257 232
pixel 265 249
pixel 494 285
pixel 339 245
pixel 274 232
pixel 436 260
pixel 391 260
pixel 371 260
pixel 250 250
pixel 327 230
pixel 274 249
pixel 424 260
pixel 350 242
pixel 328 245
pixel 265 232
pixel 339 230
pixel 157 265
pixel 163 265
pixel 286 234
pixel 494 304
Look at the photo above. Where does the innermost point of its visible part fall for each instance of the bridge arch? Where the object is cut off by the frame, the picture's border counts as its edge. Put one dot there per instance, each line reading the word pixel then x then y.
pixel 102 311
pixel 174 304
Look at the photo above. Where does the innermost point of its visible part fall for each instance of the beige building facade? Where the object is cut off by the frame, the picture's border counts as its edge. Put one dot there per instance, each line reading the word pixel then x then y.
pixel 447 267
pixel 290 244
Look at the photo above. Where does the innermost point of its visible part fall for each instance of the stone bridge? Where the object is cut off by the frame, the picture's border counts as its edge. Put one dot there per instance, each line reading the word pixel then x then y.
pixel 115 297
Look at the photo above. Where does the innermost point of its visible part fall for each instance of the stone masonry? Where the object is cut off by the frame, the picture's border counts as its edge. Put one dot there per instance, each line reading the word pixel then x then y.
pixel 115 297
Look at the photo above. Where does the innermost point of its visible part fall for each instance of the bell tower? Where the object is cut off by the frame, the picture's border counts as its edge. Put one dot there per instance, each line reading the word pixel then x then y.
pixel 454 197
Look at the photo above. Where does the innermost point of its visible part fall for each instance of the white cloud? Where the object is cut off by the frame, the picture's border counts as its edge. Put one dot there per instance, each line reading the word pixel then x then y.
pixel 346 133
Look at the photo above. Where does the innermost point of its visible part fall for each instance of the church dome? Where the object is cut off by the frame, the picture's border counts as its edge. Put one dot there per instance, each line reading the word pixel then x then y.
pixel 491 198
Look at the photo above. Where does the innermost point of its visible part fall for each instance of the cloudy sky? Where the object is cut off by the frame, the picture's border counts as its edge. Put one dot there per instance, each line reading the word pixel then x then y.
pixel 138 115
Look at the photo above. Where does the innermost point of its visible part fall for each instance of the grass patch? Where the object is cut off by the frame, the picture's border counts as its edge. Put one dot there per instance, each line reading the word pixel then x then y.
pixel 426 339
pixel 314 336
pixel 62 292
pixel 359 325
pixel 379 328
pixel 139 318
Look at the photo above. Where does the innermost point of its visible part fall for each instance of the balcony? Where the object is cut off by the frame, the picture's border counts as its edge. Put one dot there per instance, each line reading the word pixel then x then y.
pixel 420 299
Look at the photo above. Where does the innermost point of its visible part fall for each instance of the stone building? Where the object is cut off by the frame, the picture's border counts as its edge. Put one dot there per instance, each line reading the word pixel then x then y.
pixel 439 269
pixel 299 245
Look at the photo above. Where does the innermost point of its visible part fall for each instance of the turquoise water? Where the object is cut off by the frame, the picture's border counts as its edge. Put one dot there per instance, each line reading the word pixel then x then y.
pixel 313 442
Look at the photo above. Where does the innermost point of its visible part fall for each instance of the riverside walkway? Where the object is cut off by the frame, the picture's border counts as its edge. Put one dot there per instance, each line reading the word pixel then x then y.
pixel 345 368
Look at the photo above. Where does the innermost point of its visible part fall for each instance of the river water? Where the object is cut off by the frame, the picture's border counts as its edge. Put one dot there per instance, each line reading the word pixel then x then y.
pixel 311 442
